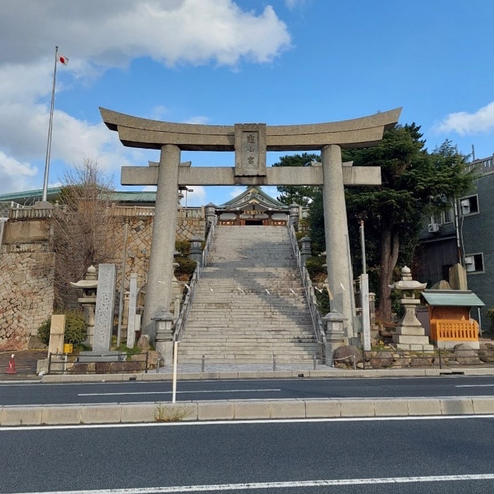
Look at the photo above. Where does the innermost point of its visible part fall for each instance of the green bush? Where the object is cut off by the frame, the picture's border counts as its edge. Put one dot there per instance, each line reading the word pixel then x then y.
pixel 183 246
pixel 44 332
pixel 185 265
pixel 314 265
pixel 75 329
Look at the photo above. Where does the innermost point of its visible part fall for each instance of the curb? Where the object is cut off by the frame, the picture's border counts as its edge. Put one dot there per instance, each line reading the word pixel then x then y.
pixel 336 373
pixel 240 410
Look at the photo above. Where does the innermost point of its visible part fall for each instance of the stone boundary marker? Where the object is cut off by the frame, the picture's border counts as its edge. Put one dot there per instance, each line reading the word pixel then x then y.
pixel 241 410
pixel 167 376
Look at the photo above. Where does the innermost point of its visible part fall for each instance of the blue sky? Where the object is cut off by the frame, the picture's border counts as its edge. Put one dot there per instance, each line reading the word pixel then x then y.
pixel 226 62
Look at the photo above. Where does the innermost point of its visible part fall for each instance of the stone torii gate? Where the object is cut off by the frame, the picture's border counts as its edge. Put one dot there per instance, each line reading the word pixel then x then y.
pixel 250 143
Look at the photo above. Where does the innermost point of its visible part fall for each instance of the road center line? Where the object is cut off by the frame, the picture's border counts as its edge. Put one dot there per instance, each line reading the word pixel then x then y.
pixel 184 392
pixel 277 485
pixel 473 385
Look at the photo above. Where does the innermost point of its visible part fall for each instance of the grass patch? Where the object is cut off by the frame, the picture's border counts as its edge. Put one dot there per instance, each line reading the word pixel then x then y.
pixel 170 414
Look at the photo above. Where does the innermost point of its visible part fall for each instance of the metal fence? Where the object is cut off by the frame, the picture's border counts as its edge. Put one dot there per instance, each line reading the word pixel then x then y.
pixel 97 363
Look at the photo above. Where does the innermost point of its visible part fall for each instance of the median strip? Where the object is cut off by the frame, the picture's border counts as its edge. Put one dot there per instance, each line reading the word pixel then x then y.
pixel 241 410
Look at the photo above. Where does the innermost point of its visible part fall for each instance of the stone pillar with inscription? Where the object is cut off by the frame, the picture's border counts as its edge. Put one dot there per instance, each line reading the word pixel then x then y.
pixel 105 308
pixel 336 233
pixel 159 285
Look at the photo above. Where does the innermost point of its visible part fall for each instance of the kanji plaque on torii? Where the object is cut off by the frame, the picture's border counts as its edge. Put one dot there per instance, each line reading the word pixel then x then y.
pixel 250 143
pixel 250 150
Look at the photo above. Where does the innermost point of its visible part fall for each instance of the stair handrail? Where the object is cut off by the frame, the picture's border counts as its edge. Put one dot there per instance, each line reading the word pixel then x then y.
pixel 310 295
pixel 184 309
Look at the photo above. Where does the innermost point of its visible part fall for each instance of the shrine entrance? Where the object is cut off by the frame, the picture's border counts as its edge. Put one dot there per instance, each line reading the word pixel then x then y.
pixel 253 207
pixel 250 142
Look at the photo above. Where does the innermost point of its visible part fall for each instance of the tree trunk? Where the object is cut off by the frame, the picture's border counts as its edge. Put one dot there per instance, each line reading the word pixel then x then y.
pixel 390 246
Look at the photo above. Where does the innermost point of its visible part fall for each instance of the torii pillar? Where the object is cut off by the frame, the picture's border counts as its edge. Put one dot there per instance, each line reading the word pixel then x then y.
pixel 250 143
pixel 159 288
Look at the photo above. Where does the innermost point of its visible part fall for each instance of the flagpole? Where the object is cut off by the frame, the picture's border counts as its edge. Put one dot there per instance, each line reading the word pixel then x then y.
pixel 50 129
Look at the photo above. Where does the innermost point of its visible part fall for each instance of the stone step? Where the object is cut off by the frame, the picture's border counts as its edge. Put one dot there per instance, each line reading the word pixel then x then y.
pixel 233 318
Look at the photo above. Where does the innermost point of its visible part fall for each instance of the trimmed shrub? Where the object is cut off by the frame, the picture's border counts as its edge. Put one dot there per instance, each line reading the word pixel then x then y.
pixel 75 329
pixel 185 265
pixel 314 265
pixel 183 246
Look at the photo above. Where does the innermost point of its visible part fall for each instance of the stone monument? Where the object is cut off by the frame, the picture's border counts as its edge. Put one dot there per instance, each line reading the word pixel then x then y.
pixel 131 320
pixel 410 334
pixel 105 308
pixel 57 330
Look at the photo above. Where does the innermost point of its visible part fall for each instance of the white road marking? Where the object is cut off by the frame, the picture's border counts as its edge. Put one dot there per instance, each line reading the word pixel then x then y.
pixel 473 385
pixel 277 485
pixel 239 422
pixel 182 392
pixel 166 377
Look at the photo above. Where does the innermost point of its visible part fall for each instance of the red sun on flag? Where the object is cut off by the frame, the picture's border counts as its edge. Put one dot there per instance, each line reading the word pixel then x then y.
pixel 63 59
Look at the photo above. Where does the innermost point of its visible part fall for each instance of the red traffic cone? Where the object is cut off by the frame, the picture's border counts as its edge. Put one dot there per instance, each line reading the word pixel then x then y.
pixel 11 366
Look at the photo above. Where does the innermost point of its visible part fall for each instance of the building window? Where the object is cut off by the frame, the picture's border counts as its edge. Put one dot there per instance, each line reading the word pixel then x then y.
pixel 474 263
pixel 448 215
pixel 469 205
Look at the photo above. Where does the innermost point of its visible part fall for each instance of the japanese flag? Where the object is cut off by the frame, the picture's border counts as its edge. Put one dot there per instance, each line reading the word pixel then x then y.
pixel 63 59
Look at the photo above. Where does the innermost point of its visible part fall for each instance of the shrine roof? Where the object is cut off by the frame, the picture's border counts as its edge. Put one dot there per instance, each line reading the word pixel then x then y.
pixel 254 193
pixel 452 298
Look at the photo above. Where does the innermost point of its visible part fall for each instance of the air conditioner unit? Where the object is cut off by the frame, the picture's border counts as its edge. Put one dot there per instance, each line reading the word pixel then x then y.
pixel 465 206
pixel 469 260
pixel 432 227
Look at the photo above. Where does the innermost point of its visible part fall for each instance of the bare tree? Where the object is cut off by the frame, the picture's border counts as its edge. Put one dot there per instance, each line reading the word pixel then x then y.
pixel 83 228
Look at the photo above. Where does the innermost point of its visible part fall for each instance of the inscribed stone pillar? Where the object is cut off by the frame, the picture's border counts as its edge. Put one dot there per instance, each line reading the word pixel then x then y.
pixel 57 330
pixel 336 235
pixel 131 320
pixel 159 286
pixel 105 308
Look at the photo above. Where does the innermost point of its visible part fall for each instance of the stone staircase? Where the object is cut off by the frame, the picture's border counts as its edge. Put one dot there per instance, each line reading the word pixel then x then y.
pixel 249 303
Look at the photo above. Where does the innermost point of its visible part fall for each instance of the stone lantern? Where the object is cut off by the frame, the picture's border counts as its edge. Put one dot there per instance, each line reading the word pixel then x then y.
pixel 88 285
pixel 196 249
pixel 410 334
pixel 305 249
pixel 210 210
pixel 294 213
pixel 335 333
pixel 163 321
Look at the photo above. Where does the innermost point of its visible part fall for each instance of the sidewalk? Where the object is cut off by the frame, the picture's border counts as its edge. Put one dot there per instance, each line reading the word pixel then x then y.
pixel 25 364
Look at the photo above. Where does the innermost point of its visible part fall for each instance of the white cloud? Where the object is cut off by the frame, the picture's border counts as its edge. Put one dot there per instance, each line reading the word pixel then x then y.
pixel 465 123
pixel 236 191
pixel 292 4
pixel 14 175
pixel 96 35
pixel 196 197
pixel 111 33
pixel 199 119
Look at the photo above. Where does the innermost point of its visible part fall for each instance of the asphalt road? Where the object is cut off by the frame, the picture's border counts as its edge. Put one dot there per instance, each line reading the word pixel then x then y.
pixel 440 455
pixel 138 391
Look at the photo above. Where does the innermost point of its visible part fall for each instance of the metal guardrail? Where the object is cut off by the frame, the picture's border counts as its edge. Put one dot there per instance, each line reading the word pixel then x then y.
pixel 184 310
pixel 310 295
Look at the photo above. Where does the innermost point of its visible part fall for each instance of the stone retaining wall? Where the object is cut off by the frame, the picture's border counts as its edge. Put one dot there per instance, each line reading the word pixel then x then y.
pixel 26 292
pixel 27 267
